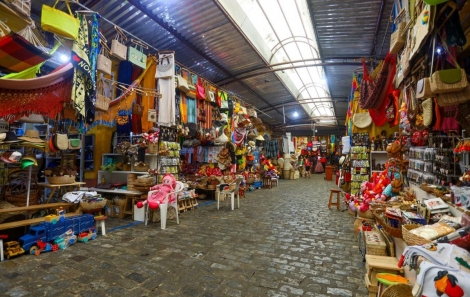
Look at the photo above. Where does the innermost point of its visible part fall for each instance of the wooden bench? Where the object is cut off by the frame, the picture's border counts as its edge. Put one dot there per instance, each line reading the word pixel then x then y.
pixel 28 222
pixel 37 207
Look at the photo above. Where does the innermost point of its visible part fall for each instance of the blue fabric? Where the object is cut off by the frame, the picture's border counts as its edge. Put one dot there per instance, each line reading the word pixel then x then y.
pixel 191 105
pixel 124 74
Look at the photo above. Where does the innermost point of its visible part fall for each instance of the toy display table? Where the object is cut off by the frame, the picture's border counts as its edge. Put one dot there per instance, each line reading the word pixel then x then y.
pixel 60 188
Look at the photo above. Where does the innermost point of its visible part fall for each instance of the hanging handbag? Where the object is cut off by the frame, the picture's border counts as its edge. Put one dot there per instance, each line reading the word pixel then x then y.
pixel 423 26
pixel 200 91
pixel 397 39
pixel 102 102
pixel 137 109
pixel 104 62
pixel 59 22
pixel 166 65
pixel 75 144
pixel 427 112
pixel 448 80
pixel 118 47
pixel 136 55
pixel 412 106
pixel 182 83
pixel 21 6
pixel 361 119
pixel 61 141
pixel 223 100
pixel 449 99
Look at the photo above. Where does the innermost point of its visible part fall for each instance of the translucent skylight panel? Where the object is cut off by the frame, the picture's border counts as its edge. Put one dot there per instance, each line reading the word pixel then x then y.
pixel 292 15
pixel 274 14
pixel 293 51
pixel 306 51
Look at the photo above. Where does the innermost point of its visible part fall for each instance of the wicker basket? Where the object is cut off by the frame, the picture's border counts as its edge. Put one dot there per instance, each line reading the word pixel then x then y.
pixel 96 204
pixel 392 231
pixel 145 180
pixel 353 213
pixel 365 214
pixel 397 39
pixel 119 201
pixel 375 244
pixel 398 290
pixel 152 148
pixel 102 102
pixel 388 240
pixel 61 180
pixel 410 238
pixel 20 199
pixel 141 168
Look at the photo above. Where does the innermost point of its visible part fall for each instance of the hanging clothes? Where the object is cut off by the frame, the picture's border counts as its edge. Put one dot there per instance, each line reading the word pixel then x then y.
pixel 148 100
pixel 191 112
pixel 167 103
pixel 81 64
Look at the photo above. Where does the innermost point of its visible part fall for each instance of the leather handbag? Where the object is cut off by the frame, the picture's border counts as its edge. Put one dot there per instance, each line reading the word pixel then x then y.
pixel 59 22
pixel 75 144
pixel 104 62
pixel 118 47
pixel 61 141
pixel 136 55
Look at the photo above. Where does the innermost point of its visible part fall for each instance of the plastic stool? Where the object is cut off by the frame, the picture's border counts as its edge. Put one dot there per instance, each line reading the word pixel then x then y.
pixel 332 192
pixel 2 237
pixel 101 220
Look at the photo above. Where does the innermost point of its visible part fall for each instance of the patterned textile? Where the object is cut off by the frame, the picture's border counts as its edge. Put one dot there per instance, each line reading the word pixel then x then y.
pixel 272 149
pixel 18 54
pixel 82 73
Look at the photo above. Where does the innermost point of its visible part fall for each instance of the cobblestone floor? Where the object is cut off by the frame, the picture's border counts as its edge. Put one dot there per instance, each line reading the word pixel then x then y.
pixel 281 242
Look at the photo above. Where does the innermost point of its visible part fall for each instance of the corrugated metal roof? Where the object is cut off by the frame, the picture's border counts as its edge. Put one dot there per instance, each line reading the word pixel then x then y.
pixel 207 41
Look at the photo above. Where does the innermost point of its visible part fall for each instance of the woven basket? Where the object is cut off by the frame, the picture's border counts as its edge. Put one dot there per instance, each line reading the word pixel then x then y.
pixel 398 290
pixel 353 213
pixel 439 87
pixel 145 180
pixel 397 39
pixel 454 98
pixel 141 168
pixel 410 238
pixel 61 180
pixel 20 199
pixel 375 244
pixel 366 214
pixel 392 231
pixel 152 148
pixel 102 102
pixel 93 205
pixel 119 201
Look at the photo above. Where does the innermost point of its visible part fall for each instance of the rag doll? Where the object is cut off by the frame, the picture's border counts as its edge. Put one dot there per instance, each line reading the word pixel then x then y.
pixel 167 186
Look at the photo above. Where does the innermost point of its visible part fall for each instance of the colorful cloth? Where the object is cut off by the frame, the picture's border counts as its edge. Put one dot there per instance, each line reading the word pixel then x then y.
pixel 18 54
pixel 81 63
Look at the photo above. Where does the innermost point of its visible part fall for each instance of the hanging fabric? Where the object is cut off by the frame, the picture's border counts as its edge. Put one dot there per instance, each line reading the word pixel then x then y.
pixel 148 99
pixel 166 107
pixel 82 66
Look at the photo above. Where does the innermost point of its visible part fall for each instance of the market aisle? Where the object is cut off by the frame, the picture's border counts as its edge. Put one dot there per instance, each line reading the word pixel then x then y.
pixel 282 242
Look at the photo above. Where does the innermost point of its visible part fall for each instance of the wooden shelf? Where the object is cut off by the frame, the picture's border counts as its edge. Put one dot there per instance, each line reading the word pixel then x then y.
pixel 124 172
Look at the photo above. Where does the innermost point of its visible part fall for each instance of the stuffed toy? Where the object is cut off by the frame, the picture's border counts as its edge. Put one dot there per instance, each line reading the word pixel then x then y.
pixel 167 186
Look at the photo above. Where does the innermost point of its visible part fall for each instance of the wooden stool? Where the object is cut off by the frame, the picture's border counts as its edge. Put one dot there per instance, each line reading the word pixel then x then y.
pixel 266 183
pixel 332 192
pixel 274 181
pixel 378 264
pixel 2 237
pixel 99 222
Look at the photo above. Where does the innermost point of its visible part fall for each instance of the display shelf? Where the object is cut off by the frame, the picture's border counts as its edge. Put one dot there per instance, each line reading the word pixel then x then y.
pixel 122 172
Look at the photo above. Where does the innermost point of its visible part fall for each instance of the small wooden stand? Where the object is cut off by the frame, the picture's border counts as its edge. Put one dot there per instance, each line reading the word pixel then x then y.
pixel 378 264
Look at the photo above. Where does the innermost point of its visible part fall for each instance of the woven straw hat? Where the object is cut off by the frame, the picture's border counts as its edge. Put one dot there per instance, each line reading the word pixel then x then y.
pixel 31 136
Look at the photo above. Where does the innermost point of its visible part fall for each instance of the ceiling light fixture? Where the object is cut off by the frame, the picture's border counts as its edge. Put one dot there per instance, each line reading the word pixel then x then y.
pixel 64 58
pixel 296 114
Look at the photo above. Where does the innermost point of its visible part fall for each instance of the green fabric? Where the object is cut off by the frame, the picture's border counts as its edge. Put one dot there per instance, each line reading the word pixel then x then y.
pixel 450 76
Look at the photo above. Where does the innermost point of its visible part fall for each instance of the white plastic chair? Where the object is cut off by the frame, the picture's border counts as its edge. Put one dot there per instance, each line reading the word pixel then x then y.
pixel 231 193
pixel 164 206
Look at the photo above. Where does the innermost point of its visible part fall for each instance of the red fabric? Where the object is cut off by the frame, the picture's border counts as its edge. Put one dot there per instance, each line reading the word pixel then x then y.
pixel 437 113
pixel 18 54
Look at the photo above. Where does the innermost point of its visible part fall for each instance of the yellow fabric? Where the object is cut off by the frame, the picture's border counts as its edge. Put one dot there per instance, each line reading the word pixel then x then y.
pixel 148 82
pixel 373 130
pixel 126 102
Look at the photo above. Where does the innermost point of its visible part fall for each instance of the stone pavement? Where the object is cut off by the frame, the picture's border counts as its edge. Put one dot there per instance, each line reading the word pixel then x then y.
pixel 281 242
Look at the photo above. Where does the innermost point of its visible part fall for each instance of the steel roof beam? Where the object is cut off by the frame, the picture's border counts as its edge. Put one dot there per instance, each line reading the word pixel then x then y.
pixel 161 23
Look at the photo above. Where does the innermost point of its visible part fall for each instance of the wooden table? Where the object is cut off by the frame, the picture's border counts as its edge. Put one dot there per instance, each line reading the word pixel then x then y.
pixel 28 222
pixel 68 187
